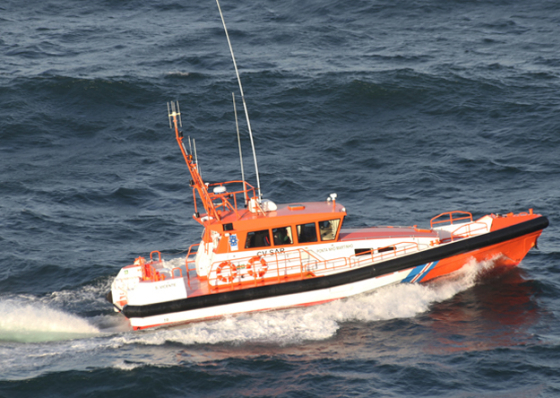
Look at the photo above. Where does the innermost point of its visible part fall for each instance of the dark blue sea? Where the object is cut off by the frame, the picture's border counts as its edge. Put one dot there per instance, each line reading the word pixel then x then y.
pixel 405 109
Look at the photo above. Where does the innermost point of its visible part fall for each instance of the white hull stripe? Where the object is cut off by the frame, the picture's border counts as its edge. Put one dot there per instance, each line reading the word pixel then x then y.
pixel 418 273
pixel 287 301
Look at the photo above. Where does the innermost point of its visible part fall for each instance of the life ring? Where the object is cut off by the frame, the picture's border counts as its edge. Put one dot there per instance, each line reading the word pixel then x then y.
pixel 251 266
pixel 232 272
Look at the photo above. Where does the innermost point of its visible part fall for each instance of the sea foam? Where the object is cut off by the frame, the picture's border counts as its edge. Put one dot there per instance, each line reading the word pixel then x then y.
pixel 32 321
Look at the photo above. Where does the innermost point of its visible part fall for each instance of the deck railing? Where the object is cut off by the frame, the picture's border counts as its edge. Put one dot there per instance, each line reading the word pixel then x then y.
pixel 450 217
pixel 189 261
pixel 294 264
pixel 370 257
pixel 466 231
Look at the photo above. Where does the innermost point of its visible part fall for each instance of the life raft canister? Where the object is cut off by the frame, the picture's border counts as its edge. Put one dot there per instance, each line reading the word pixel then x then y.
pixel 253 264
pixel 232 272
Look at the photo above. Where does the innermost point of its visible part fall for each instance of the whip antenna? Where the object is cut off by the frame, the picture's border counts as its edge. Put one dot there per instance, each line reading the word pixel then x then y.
pixel 239 145
pixel 243 98
pixel 196 157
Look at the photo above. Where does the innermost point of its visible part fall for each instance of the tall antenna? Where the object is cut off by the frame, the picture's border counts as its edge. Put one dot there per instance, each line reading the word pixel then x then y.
pixel 243 98
pixel 239 145
pixel 196 157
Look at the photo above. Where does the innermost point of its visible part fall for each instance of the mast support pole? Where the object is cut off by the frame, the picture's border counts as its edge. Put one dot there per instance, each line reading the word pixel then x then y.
pixel 198 183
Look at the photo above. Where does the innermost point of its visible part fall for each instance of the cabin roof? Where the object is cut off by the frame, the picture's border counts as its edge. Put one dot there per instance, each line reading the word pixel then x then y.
pixel 289 213
pixel 385 232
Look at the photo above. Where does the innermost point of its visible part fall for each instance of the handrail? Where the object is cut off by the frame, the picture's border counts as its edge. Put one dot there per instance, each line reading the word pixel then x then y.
pixel 225 197
pixel 303 262
pixel 385 255
pixel 471 229
pixel 451 218
pixel 293 256
pixel 159 255
pixel 288 264
pixel 248 190
pixel 187 263
pixel 217 184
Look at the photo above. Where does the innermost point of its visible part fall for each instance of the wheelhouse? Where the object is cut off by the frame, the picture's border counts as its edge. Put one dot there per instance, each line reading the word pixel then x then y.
pixel 289 225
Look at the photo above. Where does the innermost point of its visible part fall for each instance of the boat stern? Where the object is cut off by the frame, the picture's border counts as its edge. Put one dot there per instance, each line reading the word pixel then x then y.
pixel 126 280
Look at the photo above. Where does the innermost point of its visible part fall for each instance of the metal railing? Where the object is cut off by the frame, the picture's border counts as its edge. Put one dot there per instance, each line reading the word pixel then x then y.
pixel 294 264
pixel 371 257
pixel 451 217
pixel 466 231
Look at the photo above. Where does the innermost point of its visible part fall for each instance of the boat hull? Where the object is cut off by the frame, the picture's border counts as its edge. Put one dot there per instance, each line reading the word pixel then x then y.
pixel 507 246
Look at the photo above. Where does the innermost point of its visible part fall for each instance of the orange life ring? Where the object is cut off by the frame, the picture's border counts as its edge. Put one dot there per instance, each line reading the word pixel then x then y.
pixel 251 265
pixel 232 272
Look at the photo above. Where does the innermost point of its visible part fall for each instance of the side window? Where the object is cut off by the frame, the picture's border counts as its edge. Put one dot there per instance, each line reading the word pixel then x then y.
pixel 257 239
pixel 328 229
pixel 307 233
pixel 363 252
pixel 282 236
pixel 385 249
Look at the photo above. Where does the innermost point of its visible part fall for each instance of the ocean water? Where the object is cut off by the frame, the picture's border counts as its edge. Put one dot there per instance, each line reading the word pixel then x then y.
pixel 405 109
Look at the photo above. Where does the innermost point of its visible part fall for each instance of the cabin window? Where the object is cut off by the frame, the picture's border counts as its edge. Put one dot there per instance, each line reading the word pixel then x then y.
pixel 385 249
pixel 282 236
pixel 257 239
pixel 363 252
pixel 307 233
pixel 328 229
pixel 228 227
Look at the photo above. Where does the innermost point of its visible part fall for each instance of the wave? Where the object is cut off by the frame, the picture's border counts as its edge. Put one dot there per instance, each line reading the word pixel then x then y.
pixel 30 321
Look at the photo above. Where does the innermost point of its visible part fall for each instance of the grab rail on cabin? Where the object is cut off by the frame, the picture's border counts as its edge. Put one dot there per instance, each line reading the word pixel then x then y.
pixel 248 191
pixel 451 217
pixel 466 231
pixel 210 196
pixel 189 261
pixel 370 257
pixel 317 264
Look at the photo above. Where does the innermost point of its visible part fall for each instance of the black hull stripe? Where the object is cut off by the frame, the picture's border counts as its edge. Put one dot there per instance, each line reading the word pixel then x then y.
pixel 343 278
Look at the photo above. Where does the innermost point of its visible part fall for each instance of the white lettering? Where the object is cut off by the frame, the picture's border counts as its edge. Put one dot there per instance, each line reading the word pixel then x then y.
pixel 166 286
pixel 334 248
pixel 270 252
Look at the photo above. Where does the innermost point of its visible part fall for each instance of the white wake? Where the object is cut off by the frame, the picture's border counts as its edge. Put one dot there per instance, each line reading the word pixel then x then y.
pixel 32 321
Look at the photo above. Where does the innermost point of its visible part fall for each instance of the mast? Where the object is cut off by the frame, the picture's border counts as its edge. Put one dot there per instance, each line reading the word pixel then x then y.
pixel 243 98
pixel 197 182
